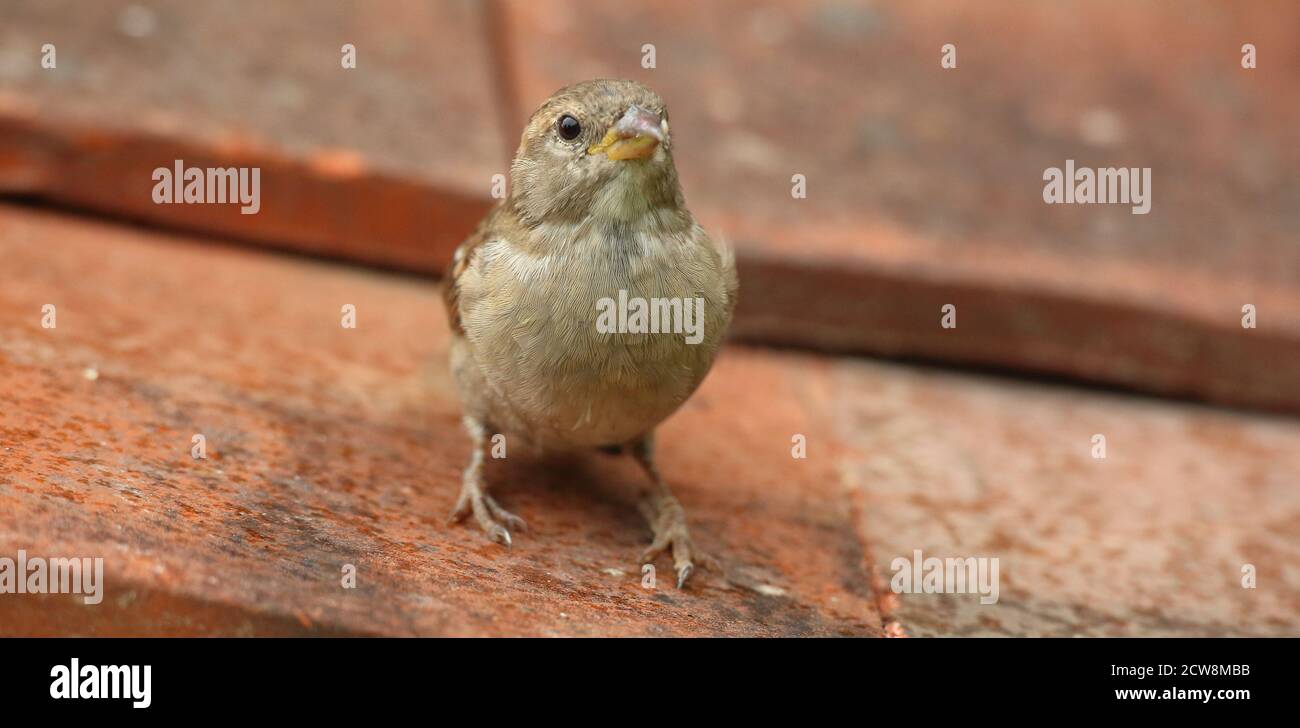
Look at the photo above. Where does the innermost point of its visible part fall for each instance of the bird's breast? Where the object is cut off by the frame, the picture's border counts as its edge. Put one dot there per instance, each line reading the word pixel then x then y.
pixel 598 341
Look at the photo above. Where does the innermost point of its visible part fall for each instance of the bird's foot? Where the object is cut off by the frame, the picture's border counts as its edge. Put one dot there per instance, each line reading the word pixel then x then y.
pixel 495 521
pixel 668 522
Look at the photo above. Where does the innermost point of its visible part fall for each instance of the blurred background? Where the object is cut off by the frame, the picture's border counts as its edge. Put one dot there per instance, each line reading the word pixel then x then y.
pixel 915 174
pixel 924 187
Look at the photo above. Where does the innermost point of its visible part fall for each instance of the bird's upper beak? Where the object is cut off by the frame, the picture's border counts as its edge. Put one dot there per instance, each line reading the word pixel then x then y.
pixel 634 136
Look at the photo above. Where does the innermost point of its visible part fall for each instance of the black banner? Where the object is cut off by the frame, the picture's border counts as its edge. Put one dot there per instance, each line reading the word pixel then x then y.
pixel 235 677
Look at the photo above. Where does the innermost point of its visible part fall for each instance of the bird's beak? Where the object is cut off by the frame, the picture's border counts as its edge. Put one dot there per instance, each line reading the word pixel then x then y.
pixel 634 136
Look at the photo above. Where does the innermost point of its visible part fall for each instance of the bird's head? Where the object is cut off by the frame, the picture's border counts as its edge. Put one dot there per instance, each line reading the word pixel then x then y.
pixel 596 149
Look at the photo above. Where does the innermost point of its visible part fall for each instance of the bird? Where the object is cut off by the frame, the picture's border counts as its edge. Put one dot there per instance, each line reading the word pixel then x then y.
pixel 548 301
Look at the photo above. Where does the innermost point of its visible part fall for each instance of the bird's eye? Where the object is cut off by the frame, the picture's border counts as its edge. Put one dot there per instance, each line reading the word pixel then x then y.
pixel 568 128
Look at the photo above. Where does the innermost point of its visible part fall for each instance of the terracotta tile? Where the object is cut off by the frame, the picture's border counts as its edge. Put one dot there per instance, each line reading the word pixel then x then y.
pixel 419 102
pixel 925 185
pixel 389 163
pixel 915 199
pixel 329 446
pixel 910 163
pixel 1151 540
pixel 1189 345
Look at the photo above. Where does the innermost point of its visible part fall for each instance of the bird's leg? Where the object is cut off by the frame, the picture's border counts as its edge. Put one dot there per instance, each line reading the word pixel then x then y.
pixel 473 493
pixel 666 517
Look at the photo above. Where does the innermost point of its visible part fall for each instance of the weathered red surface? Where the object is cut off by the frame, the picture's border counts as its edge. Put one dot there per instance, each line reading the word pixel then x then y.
pixel 388 163
pixel 330 446
pixel 910 163
pixel 420 102
pixel 327 205
pixel 924 184
pixel 1151 540
pixel 1190 345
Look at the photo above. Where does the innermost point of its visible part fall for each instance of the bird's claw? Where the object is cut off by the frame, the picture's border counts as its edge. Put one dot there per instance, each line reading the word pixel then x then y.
pixel 499 534
pixel 683 574
pixel 491 517
pixel 671 535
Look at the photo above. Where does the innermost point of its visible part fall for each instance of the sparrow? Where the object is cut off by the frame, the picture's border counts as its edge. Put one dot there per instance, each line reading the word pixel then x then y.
pixel 594 214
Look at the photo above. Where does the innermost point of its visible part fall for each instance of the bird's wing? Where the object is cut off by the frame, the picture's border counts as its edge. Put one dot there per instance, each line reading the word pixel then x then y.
pixel 731 280
pixel 727 266
pixel 460 261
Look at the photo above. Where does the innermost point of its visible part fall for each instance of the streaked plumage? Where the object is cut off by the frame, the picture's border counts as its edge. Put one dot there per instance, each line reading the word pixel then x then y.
pixel 585 218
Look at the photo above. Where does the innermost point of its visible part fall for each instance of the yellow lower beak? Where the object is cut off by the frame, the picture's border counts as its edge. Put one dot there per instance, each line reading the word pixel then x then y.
pixel 634 136
pixel 615 146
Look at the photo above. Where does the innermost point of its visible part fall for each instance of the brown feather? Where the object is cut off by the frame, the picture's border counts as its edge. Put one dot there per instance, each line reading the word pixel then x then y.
pixel 460 261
